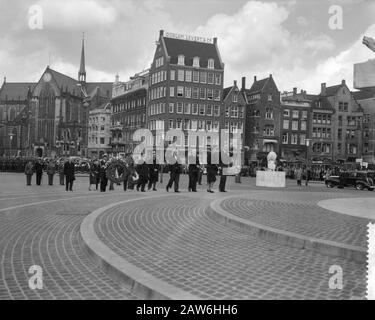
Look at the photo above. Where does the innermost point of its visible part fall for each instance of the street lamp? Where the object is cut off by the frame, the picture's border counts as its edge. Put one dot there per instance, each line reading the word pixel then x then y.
pixel 307 141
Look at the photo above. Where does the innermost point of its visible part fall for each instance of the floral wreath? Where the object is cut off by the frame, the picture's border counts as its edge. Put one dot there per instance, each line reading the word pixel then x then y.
pixel 115 166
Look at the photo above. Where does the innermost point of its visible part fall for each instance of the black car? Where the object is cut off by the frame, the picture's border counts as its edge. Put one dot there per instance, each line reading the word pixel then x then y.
pixel 358 179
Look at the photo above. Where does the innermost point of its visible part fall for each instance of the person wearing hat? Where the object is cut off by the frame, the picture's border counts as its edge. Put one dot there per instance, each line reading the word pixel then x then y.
pixel 51 170
pixel 29 171
pixel 39 171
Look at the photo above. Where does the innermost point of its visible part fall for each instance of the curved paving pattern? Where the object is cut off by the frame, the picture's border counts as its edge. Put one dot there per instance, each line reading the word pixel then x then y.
pixel 48 235
pixel 178 243
pixel 301 217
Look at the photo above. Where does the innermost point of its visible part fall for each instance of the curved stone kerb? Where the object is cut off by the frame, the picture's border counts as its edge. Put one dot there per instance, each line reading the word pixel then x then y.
pixel 294 240
pixel 138 281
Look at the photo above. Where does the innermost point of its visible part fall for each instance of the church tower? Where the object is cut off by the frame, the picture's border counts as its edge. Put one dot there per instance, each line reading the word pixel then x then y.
pixel 82 68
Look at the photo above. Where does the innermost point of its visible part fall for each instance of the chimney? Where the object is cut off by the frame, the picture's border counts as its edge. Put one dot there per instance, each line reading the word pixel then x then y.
pixel 161 32
pixel 343 82
pixel 323 89
pixel 255 78
pixel 235 83
pixel 215 40
pixel 271 75
pixel 5 79
pixel 243 83
pixel 294 91
pixel 117 78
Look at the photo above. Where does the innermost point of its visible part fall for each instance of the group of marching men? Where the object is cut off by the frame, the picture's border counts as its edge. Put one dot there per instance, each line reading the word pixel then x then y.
pixel 134 177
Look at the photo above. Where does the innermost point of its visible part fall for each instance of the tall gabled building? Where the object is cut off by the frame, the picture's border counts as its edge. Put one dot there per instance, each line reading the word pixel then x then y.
pixel 186 85
pixel 262 120
pixel 347 122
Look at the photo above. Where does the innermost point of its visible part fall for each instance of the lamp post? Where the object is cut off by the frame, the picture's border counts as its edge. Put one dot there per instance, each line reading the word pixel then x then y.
pixel 307 141
pixel 11 135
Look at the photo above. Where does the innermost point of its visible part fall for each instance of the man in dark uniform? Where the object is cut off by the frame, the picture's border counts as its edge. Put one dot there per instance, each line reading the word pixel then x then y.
pixel 193 173
pixel 29 171
pixel 142 170
pixel 103 175
pixel 153 174
pixel 69 174
pixel 39 171
pixel 175 171
pixel 51 170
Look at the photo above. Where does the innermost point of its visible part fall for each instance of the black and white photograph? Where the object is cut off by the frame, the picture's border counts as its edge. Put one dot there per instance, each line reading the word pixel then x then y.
pixel 189 150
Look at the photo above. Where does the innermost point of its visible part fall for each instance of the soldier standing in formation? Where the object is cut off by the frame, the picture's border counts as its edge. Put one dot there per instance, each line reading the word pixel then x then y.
pixel 61 171
pixel 193 173
pixel 153 174
pixel 51 169
pixel 29 171
pixel 39 172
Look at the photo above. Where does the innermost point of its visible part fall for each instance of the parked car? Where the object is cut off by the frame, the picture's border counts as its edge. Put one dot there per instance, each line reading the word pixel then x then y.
pixel 358 179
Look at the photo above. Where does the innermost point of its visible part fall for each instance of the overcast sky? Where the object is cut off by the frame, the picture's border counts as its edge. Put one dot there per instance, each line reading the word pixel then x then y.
pixel 290 39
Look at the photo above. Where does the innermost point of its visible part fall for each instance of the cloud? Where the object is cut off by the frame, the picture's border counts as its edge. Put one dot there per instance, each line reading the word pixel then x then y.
pixel 303 21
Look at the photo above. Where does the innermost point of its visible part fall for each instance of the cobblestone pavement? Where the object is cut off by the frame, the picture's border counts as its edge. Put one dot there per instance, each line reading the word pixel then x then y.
pixel 47 234
pixel 171 238
pixel 300 214
pixel 178 243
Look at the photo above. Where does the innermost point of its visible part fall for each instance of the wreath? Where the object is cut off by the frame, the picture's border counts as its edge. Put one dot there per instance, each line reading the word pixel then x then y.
pixel 116 170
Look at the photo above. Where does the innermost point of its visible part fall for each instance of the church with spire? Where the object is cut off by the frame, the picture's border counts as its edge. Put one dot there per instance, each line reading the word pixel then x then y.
pixel 50 117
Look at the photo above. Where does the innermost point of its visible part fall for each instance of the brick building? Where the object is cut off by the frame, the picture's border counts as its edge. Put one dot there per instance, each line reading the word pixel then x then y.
pixel 129 100
pixel 347 122
pixel 186 85
pixel 262 126
pixel 366 99
pixel 295 126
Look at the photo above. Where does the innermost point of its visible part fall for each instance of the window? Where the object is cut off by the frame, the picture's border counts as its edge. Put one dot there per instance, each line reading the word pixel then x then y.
pixel 285 138
pixel 303 125
pixel 194 124
pixel 208 125
pixel 304 114
pixel 181 75
pixel 211 64
pixel 218 79
pixel 195 93
pixel 286 124
pixel 178 123
pixel 102 128
pixel 202 110
pixel 187 92
pixel 196 62
pixel 235 97
pixel 217 111
pixel 241 113
pixel 269 113
pixel 202 93
pixel 180 91
pixel 194 108
pixel 340 121
pixel 179 107
pixel 270 97
pixel 234 112
pixel 188 75
pixel 215 126
pixel 171 107
pixel 269 130
pixel 209 110
pixel 181 60
pixel 171 91
pixel 201 125
pixel 294 125
pixel 294 139
pixel 217 95
pixel 295 113
pixel 102 140
pixel 210 94
pixel 187 108
pixel 302 139
pixel 196 76
pixel 203 77
pixel 210 78
pixel 186 124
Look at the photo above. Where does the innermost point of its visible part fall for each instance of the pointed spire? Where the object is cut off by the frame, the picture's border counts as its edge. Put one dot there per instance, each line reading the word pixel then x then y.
pixel 82 68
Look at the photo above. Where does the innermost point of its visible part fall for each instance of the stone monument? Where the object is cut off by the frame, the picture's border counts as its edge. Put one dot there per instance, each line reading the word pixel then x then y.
pixel 270 177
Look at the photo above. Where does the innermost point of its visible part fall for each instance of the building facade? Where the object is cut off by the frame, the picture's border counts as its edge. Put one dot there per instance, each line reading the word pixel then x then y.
pixel 347 122
pixel 99 133
pixel 295 126
pixel 262 120
pixel 129 100
pixel 186 86
pixel 366 99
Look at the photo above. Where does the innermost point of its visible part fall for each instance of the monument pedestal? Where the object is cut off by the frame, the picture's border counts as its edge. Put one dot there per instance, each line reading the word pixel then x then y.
pixel 272 179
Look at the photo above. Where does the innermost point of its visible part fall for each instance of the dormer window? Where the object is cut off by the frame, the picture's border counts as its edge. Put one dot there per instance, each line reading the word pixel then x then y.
pixel 196 62
pixel 211 64
pixel 181 60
